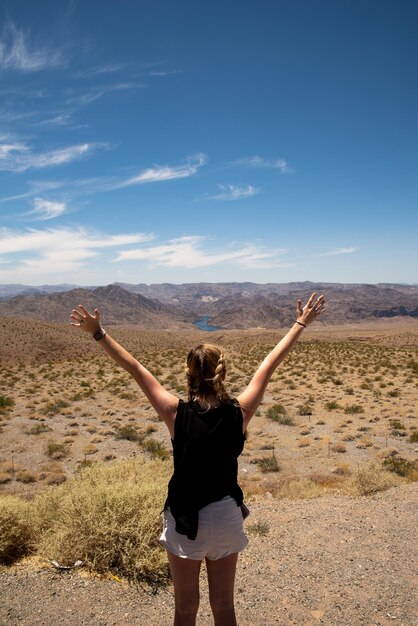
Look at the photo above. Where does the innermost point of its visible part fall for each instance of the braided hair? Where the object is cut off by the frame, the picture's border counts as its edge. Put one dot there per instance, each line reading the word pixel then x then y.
pixel 206 370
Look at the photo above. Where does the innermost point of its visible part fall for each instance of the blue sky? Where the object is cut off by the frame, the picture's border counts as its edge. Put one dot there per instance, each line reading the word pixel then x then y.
pixel 225 141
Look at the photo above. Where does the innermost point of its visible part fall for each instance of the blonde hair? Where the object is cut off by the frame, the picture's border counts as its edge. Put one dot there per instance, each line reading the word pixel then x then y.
pixel 206 370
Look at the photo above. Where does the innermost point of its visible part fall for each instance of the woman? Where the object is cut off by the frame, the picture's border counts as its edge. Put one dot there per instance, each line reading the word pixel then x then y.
pixel 204 510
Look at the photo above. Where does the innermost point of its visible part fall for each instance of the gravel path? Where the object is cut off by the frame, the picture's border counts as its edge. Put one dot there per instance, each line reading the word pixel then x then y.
pixel 334 561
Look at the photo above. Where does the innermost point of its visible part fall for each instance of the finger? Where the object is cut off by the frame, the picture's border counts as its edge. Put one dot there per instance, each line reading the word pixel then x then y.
pixel 97 314
pixel 299 307
pixel 311 299
pixel 76 315
pixel 84 310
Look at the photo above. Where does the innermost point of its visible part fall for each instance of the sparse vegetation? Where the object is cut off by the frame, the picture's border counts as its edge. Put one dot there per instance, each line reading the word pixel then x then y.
pixel 278 414
pixel 84 415
pixel 56 450
pixel 127 432
pixel 6 403
pixel 268 464
pixel 261 529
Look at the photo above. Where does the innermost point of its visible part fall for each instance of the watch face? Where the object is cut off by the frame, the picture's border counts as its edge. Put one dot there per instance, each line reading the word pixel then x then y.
pixel 98 335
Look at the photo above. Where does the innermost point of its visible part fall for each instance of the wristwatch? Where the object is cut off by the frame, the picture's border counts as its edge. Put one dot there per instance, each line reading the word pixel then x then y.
pixel 99 334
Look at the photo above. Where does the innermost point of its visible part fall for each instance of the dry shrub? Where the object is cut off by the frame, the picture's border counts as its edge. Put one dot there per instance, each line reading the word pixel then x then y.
pixel 90 448
pixel 25 476
pixel 370 479
pixel 15 530
pixel 109 517
pixel 304 442
pixel 299 489
pixel 339 447
pixel 341 469
pixel 5 477
pixel 56 450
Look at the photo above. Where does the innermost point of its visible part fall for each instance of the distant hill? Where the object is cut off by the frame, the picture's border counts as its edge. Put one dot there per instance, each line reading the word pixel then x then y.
pixel 8 291
pixel 229 305
pixel 117 306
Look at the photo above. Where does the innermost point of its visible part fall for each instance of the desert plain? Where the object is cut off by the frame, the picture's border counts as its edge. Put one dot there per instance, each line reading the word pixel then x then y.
pixel 346 396
pixel 329 546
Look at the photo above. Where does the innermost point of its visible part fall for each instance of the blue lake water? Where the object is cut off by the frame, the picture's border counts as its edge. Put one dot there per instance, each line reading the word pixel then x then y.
pixel 202 324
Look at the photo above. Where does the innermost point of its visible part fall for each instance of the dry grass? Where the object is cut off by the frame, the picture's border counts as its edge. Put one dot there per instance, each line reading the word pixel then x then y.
pixel 108 516
pixel 370 479
pixel 15 530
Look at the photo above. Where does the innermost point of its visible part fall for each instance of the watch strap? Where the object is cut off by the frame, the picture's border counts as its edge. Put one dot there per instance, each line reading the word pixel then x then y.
pixel 99 334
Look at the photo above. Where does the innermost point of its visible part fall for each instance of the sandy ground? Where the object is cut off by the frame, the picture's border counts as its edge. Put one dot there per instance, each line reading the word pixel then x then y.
pixel 334 561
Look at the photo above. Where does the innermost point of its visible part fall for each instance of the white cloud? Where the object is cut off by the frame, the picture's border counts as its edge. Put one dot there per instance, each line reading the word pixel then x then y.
pixel 232 192
pixel 62 119
pixel 56 250
pixel 338 251
pixel 91 96
pixel 19 157
pixel 259 162
pixel 188 252
pixel 46 209
pixel 36 188
pixel 16 53
pixel 160 173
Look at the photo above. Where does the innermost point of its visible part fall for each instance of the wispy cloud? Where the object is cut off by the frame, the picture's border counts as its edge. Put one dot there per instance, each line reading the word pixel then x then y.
pixel 159 173
pixel 232 192
pixel 191 252
pixel 19 157
pixel 57 250
pixel 104 68
pixel 259 162
pixel 46 209
pixel 36 187
pixel 88 186
pixel 61 119
pixel 18 53
pixel 101 90
pixel 164 73
pixel 338 251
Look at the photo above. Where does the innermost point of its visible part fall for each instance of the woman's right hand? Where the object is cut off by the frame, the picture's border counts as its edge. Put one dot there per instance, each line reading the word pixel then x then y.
pixel 84 320
pixel 308 314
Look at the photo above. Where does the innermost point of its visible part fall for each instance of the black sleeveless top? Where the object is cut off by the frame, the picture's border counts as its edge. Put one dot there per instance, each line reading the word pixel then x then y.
pixel 206 447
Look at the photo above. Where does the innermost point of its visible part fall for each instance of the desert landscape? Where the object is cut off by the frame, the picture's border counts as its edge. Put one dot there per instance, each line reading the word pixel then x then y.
pixel 336 431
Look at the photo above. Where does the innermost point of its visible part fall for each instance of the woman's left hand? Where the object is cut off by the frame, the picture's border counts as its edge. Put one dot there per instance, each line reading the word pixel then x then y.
pixel 308 314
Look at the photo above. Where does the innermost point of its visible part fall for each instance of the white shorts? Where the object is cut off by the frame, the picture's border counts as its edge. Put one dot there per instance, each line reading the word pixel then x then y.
pixel 220 533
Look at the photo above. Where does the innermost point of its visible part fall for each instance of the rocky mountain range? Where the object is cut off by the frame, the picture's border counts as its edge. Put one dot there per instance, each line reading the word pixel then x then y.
pixel 229 305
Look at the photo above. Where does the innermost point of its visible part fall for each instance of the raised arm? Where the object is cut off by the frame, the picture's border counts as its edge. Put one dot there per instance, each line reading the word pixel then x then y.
pixel 251 397
pixel 164 402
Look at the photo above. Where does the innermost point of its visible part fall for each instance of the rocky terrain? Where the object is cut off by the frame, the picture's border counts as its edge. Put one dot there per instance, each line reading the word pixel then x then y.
pixel 228 305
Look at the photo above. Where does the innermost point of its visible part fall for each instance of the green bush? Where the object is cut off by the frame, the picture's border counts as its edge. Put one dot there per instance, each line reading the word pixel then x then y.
pixel 413 438
pixel 331 406
pixel 351 409
pixel 305 409
pixel 399 465
pixel 55 407
pixel 268 464
pixel 6 404
pixel 277 413
pixel 37 429
pixel 127 432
